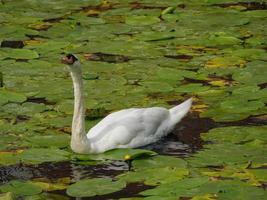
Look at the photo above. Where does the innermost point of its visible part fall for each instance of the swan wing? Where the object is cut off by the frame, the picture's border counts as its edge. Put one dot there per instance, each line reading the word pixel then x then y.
pixel 129 128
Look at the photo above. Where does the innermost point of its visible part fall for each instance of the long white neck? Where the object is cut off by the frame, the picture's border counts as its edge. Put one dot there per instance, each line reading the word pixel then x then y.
pixel 79 141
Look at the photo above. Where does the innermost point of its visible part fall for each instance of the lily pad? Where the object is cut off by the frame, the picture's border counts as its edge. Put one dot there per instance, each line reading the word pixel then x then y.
pixel 236 134
pixel 58 141
pixel 7 196
pixel 21 54
pixel 158 162
pixel 93 187
pixel 192 87
pixel 39 155
pixel 119 154
pixel 221 154
pixel 155 176
pixel 8 96
pixel 20 188
pixel 140 20
pixel 177 189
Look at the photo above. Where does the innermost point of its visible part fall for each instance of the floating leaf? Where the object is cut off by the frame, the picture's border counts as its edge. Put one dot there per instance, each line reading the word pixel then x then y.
pixel 155 176
pixel 59 141
pixel 220 154
pixel 7 196
pixel 154 87
pixel 8 96
pixel 158 162
pixel 9 158
pixel 21 54
pixel 229 61
pixel 119 154
pixel 236 134
pixel 192 87
pixel 20 188
pixel 40 155
pixel 223 39
pixel 93 187
pixel 176 189
pixel 141 20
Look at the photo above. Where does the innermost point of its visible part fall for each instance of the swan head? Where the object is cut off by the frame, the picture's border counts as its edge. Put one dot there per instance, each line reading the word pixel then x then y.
pixel 72 61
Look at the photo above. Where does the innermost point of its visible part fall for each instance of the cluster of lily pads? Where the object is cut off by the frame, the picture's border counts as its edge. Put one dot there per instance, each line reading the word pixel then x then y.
pixel 135 54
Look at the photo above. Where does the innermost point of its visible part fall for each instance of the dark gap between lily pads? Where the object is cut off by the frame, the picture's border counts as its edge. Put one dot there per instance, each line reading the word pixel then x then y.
pixel 263 85
pixel 40 100
pixel 247 5
pixel 180 57
pixel 17 44
pixel 21 118
pixel 33 37
pixel 104 57
pixel 189 130
pixel 100 7
pixel 53 171
pixel 137 5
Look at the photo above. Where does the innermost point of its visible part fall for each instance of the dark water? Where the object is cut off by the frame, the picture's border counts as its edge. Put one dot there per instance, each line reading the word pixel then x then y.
pixel 182 142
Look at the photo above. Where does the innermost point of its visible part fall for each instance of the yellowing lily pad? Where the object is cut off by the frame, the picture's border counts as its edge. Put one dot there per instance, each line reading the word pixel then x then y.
pixel 225 62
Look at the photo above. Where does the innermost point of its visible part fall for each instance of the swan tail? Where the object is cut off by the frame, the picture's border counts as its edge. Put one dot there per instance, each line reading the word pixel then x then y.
pixel 179 111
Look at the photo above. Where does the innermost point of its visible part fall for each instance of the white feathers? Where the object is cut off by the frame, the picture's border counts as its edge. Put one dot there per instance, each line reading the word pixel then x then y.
pixel 135 127
pixel 127 128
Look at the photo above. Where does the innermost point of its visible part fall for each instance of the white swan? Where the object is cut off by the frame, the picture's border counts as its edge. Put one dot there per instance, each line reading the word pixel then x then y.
pixel 127 128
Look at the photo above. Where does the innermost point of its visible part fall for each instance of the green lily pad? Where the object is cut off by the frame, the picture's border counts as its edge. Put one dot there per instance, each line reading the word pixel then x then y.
pixel 93 187
pixel 247 53
pixel 221 154
pixel 236 134
pixel 237 105
pixel 9 158
pixel 119 154
pixel 20 188
pixel 21 54
pixel 254 73
pixel 159 162
pixel 39 155
pixel 7 141
pixel 27 108
pixel 192 87
pixel 8 96
pixel 227 189
pixel 47 196
pixel 141 20
pixel 155 36
pixel 223 39
pixel 155 176
pixel 176 189
pixel 58 141
pixel 154 87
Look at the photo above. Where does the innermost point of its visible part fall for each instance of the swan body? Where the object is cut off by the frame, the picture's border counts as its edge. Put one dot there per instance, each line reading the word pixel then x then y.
pixel 128 128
